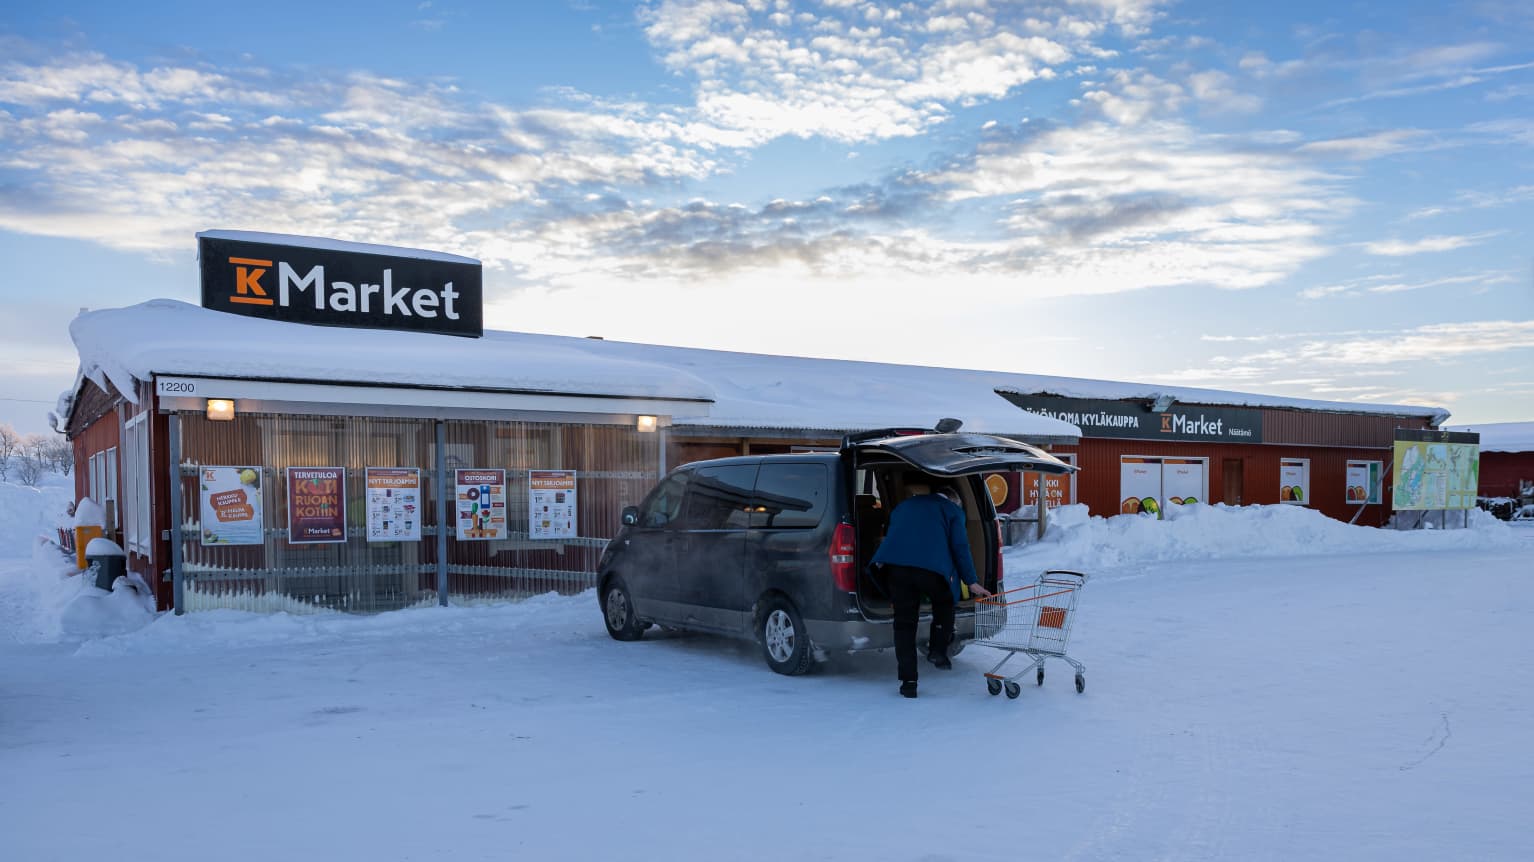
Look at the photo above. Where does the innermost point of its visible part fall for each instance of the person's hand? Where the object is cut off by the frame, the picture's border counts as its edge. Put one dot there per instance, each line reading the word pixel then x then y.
pixel 979 592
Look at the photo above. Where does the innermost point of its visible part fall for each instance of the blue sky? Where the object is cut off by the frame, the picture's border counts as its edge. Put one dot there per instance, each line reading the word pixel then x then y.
pixel 1323 200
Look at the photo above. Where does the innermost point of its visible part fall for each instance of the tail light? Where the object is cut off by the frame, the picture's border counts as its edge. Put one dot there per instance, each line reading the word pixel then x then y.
pixel 999 547
pixel 844 556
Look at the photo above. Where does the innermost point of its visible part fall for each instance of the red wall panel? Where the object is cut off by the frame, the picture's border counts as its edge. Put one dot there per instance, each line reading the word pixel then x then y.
pixel 1501 472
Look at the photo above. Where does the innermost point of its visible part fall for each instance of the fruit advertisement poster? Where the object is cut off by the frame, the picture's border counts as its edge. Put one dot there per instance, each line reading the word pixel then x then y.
pixel 480 504
pixel 1140 486
pixel 1363 483
pixel 394 504
pixel 316 505
pixel 551 504
pixel 1293 484
pixel 1182 481
pixel 231 505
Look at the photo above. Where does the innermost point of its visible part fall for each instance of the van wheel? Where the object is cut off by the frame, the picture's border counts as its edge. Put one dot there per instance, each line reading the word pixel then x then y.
pixel 618 612
pixel 785 640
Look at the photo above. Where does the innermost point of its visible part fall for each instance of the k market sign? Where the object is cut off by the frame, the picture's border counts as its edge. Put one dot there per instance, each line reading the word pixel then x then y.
pixel 341 285
pixel 1131 420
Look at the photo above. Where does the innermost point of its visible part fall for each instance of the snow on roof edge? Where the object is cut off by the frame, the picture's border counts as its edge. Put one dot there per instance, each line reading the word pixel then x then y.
pixel 1501 436
pixel 1222 398
pixel 328 244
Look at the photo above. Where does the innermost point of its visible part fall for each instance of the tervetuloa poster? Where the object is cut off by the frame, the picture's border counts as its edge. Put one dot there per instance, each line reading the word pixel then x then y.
pixel 316 505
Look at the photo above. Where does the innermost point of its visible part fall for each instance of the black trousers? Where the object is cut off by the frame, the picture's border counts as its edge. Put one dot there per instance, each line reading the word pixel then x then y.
pixel 907 585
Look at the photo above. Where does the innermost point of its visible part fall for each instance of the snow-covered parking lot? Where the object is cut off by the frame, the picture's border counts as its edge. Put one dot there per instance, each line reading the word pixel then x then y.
pixel 1356 695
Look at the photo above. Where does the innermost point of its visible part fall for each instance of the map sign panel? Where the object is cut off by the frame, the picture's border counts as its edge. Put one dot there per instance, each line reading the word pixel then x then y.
pixel 1435 470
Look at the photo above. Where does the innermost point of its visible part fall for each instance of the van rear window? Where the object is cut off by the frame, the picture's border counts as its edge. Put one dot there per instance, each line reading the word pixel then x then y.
pixel 790 496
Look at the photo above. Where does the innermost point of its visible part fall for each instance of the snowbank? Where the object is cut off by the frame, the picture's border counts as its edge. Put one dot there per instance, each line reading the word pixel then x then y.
pixel 1201 532
pixel 26 513
pixel 44 600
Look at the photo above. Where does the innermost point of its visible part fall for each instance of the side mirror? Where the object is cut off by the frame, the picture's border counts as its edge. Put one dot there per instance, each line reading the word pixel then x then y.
pixel 630 515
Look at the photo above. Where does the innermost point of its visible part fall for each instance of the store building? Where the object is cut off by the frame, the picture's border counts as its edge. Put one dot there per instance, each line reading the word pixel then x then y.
pixel 346 435
pixel 1146 448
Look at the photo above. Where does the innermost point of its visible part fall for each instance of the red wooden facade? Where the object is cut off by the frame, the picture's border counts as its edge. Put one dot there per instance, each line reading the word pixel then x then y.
pixel 1502 473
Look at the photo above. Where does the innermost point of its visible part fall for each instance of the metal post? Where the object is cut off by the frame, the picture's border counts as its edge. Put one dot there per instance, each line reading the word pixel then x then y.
pixel 660 440
pixel 442 486
pixel 1042 507
pixel 178 595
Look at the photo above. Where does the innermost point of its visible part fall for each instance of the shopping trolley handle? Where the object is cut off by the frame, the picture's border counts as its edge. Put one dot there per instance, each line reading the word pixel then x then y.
pixel 1080 576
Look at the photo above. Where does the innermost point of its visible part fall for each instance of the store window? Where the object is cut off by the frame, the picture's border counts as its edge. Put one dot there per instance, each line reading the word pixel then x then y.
pixel 1365 482
pixel 1294 481
pixel 135 497
pixel 1148 485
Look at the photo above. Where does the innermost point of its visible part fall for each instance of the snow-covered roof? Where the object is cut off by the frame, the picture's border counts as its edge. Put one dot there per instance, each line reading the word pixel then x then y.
pixel 334 245
pixel 1075 387
pixel 166 336
pixel 1502 436
pixel 731 390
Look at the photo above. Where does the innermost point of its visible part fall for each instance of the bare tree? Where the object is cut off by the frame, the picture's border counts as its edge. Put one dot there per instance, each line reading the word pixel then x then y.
pixel 33 460
pixel 61 455
pixel 10 445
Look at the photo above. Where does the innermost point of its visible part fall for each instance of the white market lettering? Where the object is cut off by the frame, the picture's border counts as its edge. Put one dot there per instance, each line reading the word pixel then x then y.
pixel 1181 424
pixel 1100 419
pixel 345 296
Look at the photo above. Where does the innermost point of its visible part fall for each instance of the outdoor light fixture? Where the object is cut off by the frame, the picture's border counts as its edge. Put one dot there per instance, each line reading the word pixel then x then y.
pixel 1162 403
pixel 220 409
pixel 646 424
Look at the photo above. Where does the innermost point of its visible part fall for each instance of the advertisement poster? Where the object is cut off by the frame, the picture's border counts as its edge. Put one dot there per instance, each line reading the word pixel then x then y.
pixel 1364 482
pixel 1293 484
pixel 551 504
pixel 316 505
pixel 481 504
pixel 394 504
pixel 1182 481
pixel 231 505
pixel 1140 486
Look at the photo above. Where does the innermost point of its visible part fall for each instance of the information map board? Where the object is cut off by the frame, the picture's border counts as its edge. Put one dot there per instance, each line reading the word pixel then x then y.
pixel 1436 469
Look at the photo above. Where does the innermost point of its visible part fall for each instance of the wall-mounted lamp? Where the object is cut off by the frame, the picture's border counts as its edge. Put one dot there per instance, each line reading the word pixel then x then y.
pixel 646 424
pixel 220 409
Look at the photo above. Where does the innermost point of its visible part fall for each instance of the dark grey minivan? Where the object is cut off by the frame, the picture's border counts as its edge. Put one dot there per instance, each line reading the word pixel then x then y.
pixel 776 547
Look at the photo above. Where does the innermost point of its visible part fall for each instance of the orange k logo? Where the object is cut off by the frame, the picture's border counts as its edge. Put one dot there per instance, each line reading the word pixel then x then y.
pixel 1166 424
pixel 247 281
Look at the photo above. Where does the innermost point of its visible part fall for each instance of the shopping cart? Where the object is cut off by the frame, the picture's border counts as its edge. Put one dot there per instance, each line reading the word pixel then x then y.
pixel 1034 620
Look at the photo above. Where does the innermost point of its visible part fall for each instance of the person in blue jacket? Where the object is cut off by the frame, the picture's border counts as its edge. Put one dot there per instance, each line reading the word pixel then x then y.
pixel 926 552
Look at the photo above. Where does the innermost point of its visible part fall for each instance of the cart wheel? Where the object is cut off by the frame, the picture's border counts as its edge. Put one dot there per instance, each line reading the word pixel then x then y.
pixel 1013 690
pixel 993 686
pixel 1040 677
pixel 1081 683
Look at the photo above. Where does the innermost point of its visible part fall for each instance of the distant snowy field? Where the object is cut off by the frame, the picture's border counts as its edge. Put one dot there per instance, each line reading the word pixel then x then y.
pixel 1262 684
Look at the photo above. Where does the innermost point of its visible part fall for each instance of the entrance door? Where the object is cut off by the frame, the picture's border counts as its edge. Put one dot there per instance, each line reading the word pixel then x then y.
pixel 1232 481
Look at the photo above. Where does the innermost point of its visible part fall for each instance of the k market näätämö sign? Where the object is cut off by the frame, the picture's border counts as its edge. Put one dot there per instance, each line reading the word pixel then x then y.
pixel 341 286
pixel 1102 417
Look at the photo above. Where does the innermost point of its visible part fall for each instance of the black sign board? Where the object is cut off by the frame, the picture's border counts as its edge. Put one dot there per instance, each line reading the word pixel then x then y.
pixel 340 284
pixel 1102 417
pixel 1419 435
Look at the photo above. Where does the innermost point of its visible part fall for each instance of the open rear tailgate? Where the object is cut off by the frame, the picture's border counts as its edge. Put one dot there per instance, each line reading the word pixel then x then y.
pixel 961 454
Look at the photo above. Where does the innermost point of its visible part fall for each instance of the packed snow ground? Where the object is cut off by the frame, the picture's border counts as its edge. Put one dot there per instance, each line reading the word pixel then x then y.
pixel 1281 688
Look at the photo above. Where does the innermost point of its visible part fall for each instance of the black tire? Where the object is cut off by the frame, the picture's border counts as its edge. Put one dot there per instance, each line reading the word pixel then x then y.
pixel 1081 683
pixel 785 640
pixel 1013 690
pixel 618 611
pixel 993 686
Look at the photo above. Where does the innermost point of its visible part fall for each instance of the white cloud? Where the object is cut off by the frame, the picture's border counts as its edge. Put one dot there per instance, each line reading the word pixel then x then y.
pixel 1427 244
pixel 1217 90
pixel 1362 147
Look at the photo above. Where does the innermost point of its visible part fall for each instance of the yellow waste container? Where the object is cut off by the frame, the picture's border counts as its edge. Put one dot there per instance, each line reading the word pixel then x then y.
pixel 83 536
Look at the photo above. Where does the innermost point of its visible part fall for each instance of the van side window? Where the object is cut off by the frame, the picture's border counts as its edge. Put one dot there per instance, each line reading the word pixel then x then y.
pixel 790 496
pixel 664 503
pixel 718 497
